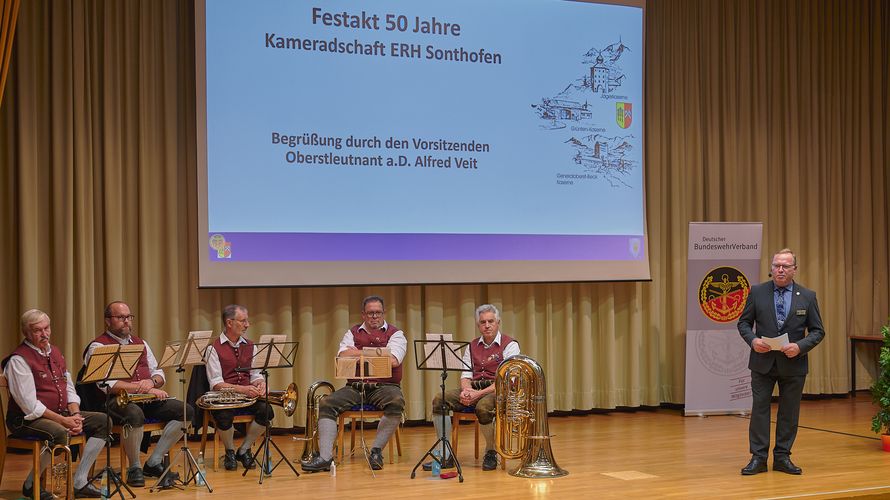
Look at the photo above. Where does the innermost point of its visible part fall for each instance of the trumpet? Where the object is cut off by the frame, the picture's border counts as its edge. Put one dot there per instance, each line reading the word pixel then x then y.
pixel 521 429
pixel 123 398
pixel 227 400
pixel 310 449
pixel 62 482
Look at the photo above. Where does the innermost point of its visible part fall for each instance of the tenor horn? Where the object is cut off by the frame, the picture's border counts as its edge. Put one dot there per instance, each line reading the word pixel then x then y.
pixel 61 473
pixel 313 398
pixel 521 429
pixel 229 400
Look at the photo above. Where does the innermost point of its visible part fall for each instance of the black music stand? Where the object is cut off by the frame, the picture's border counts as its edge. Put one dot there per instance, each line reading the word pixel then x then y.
pixel 441 354
pixel 367 367
pixel 107 363
pixel 272 351
pixel 181 354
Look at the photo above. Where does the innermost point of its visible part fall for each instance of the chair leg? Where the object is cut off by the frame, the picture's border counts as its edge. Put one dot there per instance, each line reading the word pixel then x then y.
pixel 340 426
pixel 35 453
pixel 123 454
pixel 455 425
pixel 476 429
pixel 215 446
pixel 204 438
pixel 352 427
pixel 399 439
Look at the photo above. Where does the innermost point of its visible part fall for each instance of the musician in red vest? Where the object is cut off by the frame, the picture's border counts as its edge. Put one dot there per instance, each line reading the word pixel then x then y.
pixel 385 394
pixel 148 379
pixel 484 354
pixel 227 356
pixel 43 403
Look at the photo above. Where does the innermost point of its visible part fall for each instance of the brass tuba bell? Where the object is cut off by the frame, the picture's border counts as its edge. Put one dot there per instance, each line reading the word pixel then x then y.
pixel 521 429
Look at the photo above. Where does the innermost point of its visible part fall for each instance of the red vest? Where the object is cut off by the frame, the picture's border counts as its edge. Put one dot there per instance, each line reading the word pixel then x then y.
pixel 486 361
pixel 142 370
pixel 363 339
pixel 49 378
pixel 234 357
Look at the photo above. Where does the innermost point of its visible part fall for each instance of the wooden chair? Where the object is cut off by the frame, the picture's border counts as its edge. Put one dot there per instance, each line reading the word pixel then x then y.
pixel 32 444
pixel 356 413
pixel 465 415
pixel 468 415
pixel 208 421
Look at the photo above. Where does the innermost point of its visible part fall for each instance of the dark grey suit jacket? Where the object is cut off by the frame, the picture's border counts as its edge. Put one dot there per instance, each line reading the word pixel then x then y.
pixel 758 319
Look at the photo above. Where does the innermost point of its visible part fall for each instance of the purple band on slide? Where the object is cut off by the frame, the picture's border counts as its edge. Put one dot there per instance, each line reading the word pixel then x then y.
pixel 245 247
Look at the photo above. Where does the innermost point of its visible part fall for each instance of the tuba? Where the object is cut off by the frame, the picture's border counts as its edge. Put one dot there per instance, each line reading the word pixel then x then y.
pixel 521 418
pixel 310 449
pixel 62 482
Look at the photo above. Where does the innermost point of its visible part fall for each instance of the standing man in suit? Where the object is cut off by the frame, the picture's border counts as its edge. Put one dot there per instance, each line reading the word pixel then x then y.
pixel 774 308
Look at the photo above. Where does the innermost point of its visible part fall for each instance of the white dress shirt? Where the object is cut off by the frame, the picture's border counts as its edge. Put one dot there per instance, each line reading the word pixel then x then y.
pixel 510 349
pixel 398 344
pixel 22 389
pixel 214 369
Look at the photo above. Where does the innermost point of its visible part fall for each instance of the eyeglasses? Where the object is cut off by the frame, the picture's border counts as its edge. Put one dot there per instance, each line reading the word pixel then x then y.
pixel 123 317
pixel 373 314
pixel 786 267
pixel 242 321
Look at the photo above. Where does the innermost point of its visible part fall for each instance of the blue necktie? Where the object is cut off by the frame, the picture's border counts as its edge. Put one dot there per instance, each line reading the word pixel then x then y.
pixel 780 306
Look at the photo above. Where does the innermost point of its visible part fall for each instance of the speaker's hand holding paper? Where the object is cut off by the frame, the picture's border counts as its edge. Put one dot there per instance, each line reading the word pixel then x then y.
pixel 776 343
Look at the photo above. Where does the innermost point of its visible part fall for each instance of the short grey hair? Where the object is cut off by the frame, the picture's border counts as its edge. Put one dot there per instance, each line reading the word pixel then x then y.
pixel 484 308
pixel 230 311
pixel 30 317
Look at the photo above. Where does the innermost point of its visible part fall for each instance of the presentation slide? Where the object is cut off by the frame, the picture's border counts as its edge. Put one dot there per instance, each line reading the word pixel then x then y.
pixel 355 142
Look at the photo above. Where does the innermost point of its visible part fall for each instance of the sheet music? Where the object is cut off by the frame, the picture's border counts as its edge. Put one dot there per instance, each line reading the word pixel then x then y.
pixel 171 354
pixel 266 349
pixel 453 356
pixel 375 366
pixel 199 340
pixel 129 356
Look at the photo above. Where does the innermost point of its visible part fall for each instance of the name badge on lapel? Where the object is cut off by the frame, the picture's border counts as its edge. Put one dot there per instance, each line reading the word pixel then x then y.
pixel 800 312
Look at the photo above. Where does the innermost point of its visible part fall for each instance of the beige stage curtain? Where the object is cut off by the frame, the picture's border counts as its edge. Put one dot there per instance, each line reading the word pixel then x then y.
pixel 757 111
pixel 9 13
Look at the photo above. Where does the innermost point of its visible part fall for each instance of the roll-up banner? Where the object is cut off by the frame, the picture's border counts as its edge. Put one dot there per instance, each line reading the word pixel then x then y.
pixel 724 262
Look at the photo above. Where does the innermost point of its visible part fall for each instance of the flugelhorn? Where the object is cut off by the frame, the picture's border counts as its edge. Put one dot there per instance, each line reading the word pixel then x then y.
pixel 123 398
pixel 62 482
pixel 313 398
pixel 521 429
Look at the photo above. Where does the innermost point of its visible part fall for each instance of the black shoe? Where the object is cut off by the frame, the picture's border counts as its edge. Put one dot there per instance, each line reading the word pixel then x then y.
pixel 755 466
pixel 448 463
pixel 229 462
pixel 44 495
pixel 88 491
pixel 376 459
pixel 246 459
pixel 153 470
pixel 135 477
pixel 787 466
pixel 317 464
pixel 490 460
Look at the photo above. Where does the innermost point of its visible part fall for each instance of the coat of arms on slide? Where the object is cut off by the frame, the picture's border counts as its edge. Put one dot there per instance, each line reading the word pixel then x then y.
pixel 722 294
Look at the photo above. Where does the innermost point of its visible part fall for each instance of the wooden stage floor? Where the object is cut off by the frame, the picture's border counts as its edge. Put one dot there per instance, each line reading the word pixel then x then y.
pixel 643 454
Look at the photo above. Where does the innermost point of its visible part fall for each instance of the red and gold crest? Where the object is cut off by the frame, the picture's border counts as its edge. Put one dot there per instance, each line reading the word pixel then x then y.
pixel 722 294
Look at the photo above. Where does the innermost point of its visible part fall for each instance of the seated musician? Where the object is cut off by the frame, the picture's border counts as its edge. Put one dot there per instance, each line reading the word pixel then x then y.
pixel 227 354
pixel 485 353
pixel 385 394
pixel 148 379
pixel 43 403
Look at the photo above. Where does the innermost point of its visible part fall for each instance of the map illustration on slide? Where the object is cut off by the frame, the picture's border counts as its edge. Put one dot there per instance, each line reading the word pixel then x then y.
pixel 580 106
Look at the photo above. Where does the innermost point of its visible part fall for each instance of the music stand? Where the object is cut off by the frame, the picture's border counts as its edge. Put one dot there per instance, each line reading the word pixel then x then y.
pixel 440 354
pixel 107 363
pixel 272 351
pixel 181 354
pixel 377 363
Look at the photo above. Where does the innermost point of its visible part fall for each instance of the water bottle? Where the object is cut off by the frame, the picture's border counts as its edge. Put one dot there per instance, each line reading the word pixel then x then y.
pixel 103 486
pixel 333 469
pixel 199 476
pixel 437 463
